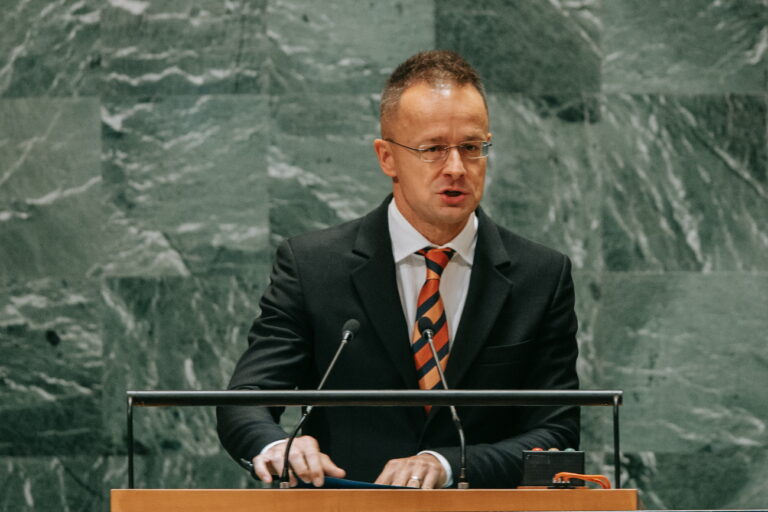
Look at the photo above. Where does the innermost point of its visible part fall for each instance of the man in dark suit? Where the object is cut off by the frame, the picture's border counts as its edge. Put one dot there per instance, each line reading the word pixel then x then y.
pixel 503 309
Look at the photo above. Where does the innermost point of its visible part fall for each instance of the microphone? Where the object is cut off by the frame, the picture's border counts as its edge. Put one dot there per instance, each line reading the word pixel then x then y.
pixel 427 329
pixel 348 332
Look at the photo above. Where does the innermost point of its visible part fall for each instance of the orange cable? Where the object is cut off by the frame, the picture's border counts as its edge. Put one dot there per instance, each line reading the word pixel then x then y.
pixel 566 477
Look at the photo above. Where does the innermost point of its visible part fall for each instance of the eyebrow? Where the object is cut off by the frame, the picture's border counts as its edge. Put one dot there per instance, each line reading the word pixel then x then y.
pixel 441 140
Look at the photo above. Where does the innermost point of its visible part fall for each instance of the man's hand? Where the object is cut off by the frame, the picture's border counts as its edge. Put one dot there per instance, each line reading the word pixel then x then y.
pixel 420 471
pixel 307 462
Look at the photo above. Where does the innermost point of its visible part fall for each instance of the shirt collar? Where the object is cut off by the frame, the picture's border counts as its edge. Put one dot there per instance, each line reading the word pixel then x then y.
pixel 406 240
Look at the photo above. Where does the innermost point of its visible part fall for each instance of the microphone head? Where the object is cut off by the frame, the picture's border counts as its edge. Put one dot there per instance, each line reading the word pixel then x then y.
pixel 351 326
pixel 425 324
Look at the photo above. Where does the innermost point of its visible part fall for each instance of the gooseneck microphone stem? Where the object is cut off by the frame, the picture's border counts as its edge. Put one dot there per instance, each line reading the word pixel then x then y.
pixel 427 330
pixel 347 333
pixel 462 483
pixel 285 481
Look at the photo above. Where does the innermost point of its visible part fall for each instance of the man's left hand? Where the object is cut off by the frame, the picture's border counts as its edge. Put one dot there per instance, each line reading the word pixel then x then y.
pixel 420 471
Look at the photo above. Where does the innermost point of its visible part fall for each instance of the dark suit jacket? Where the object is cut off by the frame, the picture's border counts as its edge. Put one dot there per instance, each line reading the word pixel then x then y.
pixel 517 331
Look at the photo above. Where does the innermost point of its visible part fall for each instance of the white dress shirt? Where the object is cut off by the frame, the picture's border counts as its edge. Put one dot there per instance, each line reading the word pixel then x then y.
pixel 411 271
pixel 411 268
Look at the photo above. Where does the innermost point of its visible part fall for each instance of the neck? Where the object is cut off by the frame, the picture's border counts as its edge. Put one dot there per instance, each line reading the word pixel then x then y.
pixel 438 235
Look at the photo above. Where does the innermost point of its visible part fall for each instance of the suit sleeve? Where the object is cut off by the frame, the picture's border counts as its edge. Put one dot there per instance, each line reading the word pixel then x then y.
pixel 278 357
pixel 500 464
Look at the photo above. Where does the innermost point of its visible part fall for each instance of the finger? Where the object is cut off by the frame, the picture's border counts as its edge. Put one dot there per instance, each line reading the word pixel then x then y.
pixel 329 468
pixel 274 459
pixel 386 475
pixel 261 470
pixel 304 450
pixel 430 479
pixel 299 465
pixel 315 471
pixel 415 480
pixel 332 469
pixel 408 475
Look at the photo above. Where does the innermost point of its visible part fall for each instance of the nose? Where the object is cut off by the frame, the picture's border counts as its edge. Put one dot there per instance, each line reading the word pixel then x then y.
pixel 454 164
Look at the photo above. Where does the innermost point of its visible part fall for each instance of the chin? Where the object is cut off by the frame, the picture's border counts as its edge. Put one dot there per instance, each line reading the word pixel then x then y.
pixel 458 216
pixel 459 210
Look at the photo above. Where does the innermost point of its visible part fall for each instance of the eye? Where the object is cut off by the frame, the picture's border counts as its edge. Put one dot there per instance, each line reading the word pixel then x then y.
pixel 433 149
pixel 471 147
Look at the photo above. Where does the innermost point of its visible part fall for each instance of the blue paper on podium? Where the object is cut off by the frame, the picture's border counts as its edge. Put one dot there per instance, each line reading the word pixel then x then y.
pixel 343 483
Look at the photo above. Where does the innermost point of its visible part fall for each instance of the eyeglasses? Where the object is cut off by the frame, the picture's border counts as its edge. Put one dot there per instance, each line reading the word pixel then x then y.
pixel 472 149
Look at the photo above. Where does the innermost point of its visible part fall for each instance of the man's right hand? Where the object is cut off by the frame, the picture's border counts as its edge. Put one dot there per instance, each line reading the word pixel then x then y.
pixel 307 462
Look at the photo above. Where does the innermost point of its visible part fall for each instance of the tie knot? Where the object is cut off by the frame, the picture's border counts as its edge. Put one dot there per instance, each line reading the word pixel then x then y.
pixel 436 260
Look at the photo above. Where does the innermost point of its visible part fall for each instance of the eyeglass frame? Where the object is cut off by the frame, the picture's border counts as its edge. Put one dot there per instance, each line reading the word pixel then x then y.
pixel 486 145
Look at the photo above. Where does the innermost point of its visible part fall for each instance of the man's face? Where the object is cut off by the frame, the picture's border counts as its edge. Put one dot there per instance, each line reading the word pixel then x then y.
pixel 438 197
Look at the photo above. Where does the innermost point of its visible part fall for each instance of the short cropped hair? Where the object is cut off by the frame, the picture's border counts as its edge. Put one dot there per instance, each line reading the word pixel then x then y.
pixel 433 67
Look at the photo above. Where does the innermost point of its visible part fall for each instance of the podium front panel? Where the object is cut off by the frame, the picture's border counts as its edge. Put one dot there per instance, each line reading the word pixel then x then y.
pixel 389 500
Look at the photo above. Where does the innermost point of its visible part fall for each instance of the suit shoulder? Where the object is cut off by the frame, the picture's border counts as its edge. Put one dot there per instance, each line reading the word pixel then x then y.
pixel 520 247
pixel 338 237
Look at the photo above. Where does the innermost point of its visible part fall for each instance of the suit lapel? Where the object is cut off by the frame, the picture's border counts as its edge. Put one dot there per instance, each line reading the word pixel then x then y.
pixel 376 283
pixel 488 291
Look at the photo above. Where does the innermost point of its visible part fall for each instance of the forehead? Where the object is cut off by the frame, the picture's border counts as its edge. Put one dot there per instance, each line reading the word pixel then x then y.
pixel 442 107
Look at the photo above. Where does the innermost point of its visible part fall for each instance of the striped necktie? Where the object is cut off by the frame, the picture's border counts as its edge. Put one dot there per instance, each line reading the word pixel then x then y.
pixel 431 305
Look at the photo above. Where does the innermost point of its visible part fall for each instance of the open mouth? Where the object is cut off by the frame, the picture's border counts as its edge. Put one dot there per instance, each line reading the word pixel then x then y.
pixel 452 193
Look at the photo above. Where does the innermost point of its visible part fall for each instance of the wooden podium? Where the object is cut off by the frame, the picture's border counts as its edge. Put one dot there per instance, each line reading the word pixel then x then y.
pixel 370 500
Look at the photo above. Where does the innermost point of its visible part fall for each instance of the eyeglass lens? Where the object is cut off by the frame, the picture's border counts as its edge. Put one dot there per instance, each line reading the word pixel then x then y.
pixel 471 149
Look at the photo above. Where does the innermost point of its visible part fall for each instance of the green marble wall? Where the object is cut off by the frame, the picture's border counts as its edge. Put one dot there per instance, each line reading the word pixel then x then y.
pixel 152 153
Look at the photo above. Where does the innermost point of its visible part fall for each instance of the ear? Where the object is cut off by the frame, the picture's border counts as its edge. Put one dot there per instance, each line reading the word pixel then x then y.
pixel 385 157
